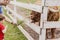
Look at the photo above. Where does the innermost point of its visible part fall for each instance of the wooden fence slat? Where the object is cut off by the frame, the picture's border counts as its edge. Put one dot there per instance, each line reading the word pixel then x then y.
pixel 33 7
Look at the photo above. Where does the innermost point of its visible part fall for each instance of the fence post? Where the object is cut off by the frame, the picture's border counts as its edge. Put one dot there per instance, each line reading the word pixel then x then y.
pixel 44 18
pixel 15 20
pixel 14 6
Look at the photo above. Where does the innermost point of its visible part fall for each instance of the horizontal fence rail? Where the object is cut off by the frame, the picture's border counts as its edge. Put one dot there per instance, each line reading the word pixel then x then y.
pixel 7 19
pixel 52 3
pixel 54 39
pixel 33 7
pixel 25 33
pixel 52 24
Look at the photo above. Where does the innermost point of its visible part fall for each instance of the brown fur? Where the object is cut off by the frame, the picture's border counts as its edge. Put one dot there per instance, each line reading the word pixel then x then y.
pixel 35 17
pixel 52 16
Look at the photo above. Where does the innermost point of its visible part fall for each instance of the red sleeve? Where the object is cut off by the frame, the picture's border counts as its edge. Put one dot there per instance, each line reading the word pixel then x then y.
pixel 2 27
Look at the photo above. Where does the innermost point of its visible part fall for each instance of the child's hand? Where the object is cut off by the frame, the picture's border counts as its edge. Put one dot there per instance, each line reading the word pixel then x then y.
pixel 4 31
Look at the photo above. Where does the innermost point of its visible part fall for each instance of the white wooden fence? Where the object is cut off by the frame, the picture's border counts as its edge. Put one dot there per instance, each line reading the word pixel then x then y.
pixel 33 7
pixel 48 24
pixel 51 2
pixel 44 24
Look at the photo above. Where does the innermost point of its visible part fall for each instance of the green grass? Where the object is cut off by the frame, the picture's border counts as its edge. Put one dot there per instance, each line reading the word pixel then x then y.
pixel 13 33
pixel 27 1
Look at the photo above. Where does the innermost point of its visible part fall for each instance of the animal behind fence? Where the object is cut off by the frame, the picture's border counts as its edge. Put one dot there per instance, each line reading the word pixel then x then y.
pixel 35 17
pixel 52 16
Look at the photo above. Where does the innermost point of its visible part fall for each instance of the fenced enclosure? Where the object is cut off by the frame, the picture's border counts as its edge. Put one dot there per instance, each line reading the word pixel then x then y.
pixel 34 19
pixel 16 13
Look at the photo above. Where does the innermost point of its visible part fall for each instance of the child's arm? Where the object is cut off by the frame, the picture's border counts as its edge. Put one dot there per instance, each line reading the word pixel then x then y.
pixel 3 28
pixel 4 31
